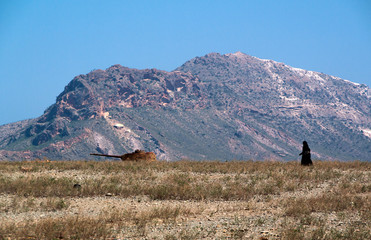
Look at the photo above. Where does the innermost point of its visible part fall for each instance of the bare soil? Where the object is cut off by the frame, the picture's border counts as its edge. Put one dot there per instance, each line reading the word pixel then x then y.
pixel 185 200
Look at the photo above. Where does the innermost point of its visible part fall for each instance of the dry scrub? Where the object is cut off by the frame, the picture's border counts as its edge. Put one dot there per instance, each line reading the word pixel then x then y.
pixel 184 200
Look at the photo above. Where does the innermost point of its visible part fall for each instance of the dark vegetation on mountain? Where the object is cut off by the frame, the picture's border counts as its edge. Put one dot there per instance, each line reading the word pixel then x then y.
pixel 225 107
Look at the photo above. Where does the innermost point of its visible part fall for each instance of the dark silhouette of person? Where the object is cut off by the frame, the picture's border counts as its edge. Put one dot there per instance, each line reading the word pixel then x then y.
pixel 305 155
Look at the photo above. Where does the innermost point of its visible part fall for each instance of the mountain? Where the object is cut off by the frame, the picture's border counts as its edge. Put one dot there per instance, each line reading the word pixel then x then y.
pixel 231 106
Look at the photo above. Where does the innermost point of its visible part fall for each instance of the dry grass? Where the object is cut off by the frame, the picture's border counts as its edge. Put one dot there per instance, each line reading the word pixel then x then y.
pixel 298 202
pixel 185 180
pixel 98 227
pixel 327 203
pixel 26 204
pixel 64 228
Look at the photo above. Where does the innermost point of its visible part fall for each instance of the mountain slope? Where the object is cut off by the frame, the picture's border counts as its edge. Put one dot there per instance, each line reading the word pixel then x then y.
pixel 231 106
pixel 333 114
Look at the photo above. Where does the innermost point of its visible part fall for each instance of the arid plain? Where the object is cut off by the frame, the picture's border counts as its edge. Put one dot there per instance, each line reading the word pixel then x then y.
pixel 184 200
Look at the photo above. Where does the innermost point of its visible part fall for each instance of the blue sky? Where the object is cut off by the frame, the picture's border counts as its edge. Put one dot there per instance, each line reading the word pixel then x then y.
pixel 44 44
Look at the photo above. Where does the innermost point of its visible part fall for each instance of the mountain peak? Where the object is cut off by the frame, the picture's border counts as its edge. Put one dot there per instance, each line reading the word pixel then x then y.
pixel 116 66
pixel 212 54
pixel 236 54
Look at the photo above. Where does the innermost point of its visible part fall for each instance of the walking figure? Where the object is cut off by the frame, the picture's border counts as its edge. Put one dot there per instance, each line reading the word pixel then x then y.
pixel 305 155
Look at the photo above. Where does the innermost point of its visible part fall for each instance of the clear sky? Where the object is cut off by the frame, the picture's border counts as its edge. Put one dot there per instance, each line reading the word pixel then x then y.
pixel 44 44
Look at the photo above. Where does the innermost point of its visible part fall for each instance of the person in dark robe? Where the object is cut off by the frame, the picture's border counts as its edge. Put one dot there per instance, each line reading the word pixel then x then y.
pixel 305 155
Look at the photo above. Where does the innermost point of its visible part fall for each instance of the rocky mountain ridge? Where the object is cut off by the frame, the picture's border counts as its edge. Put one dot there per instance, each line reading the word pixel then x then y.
pixel 231 106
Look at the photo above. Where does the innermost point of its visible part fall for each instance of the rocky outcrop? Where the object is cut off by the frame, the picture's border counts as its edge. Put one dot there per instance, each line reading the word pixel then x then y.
pixel 91 95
